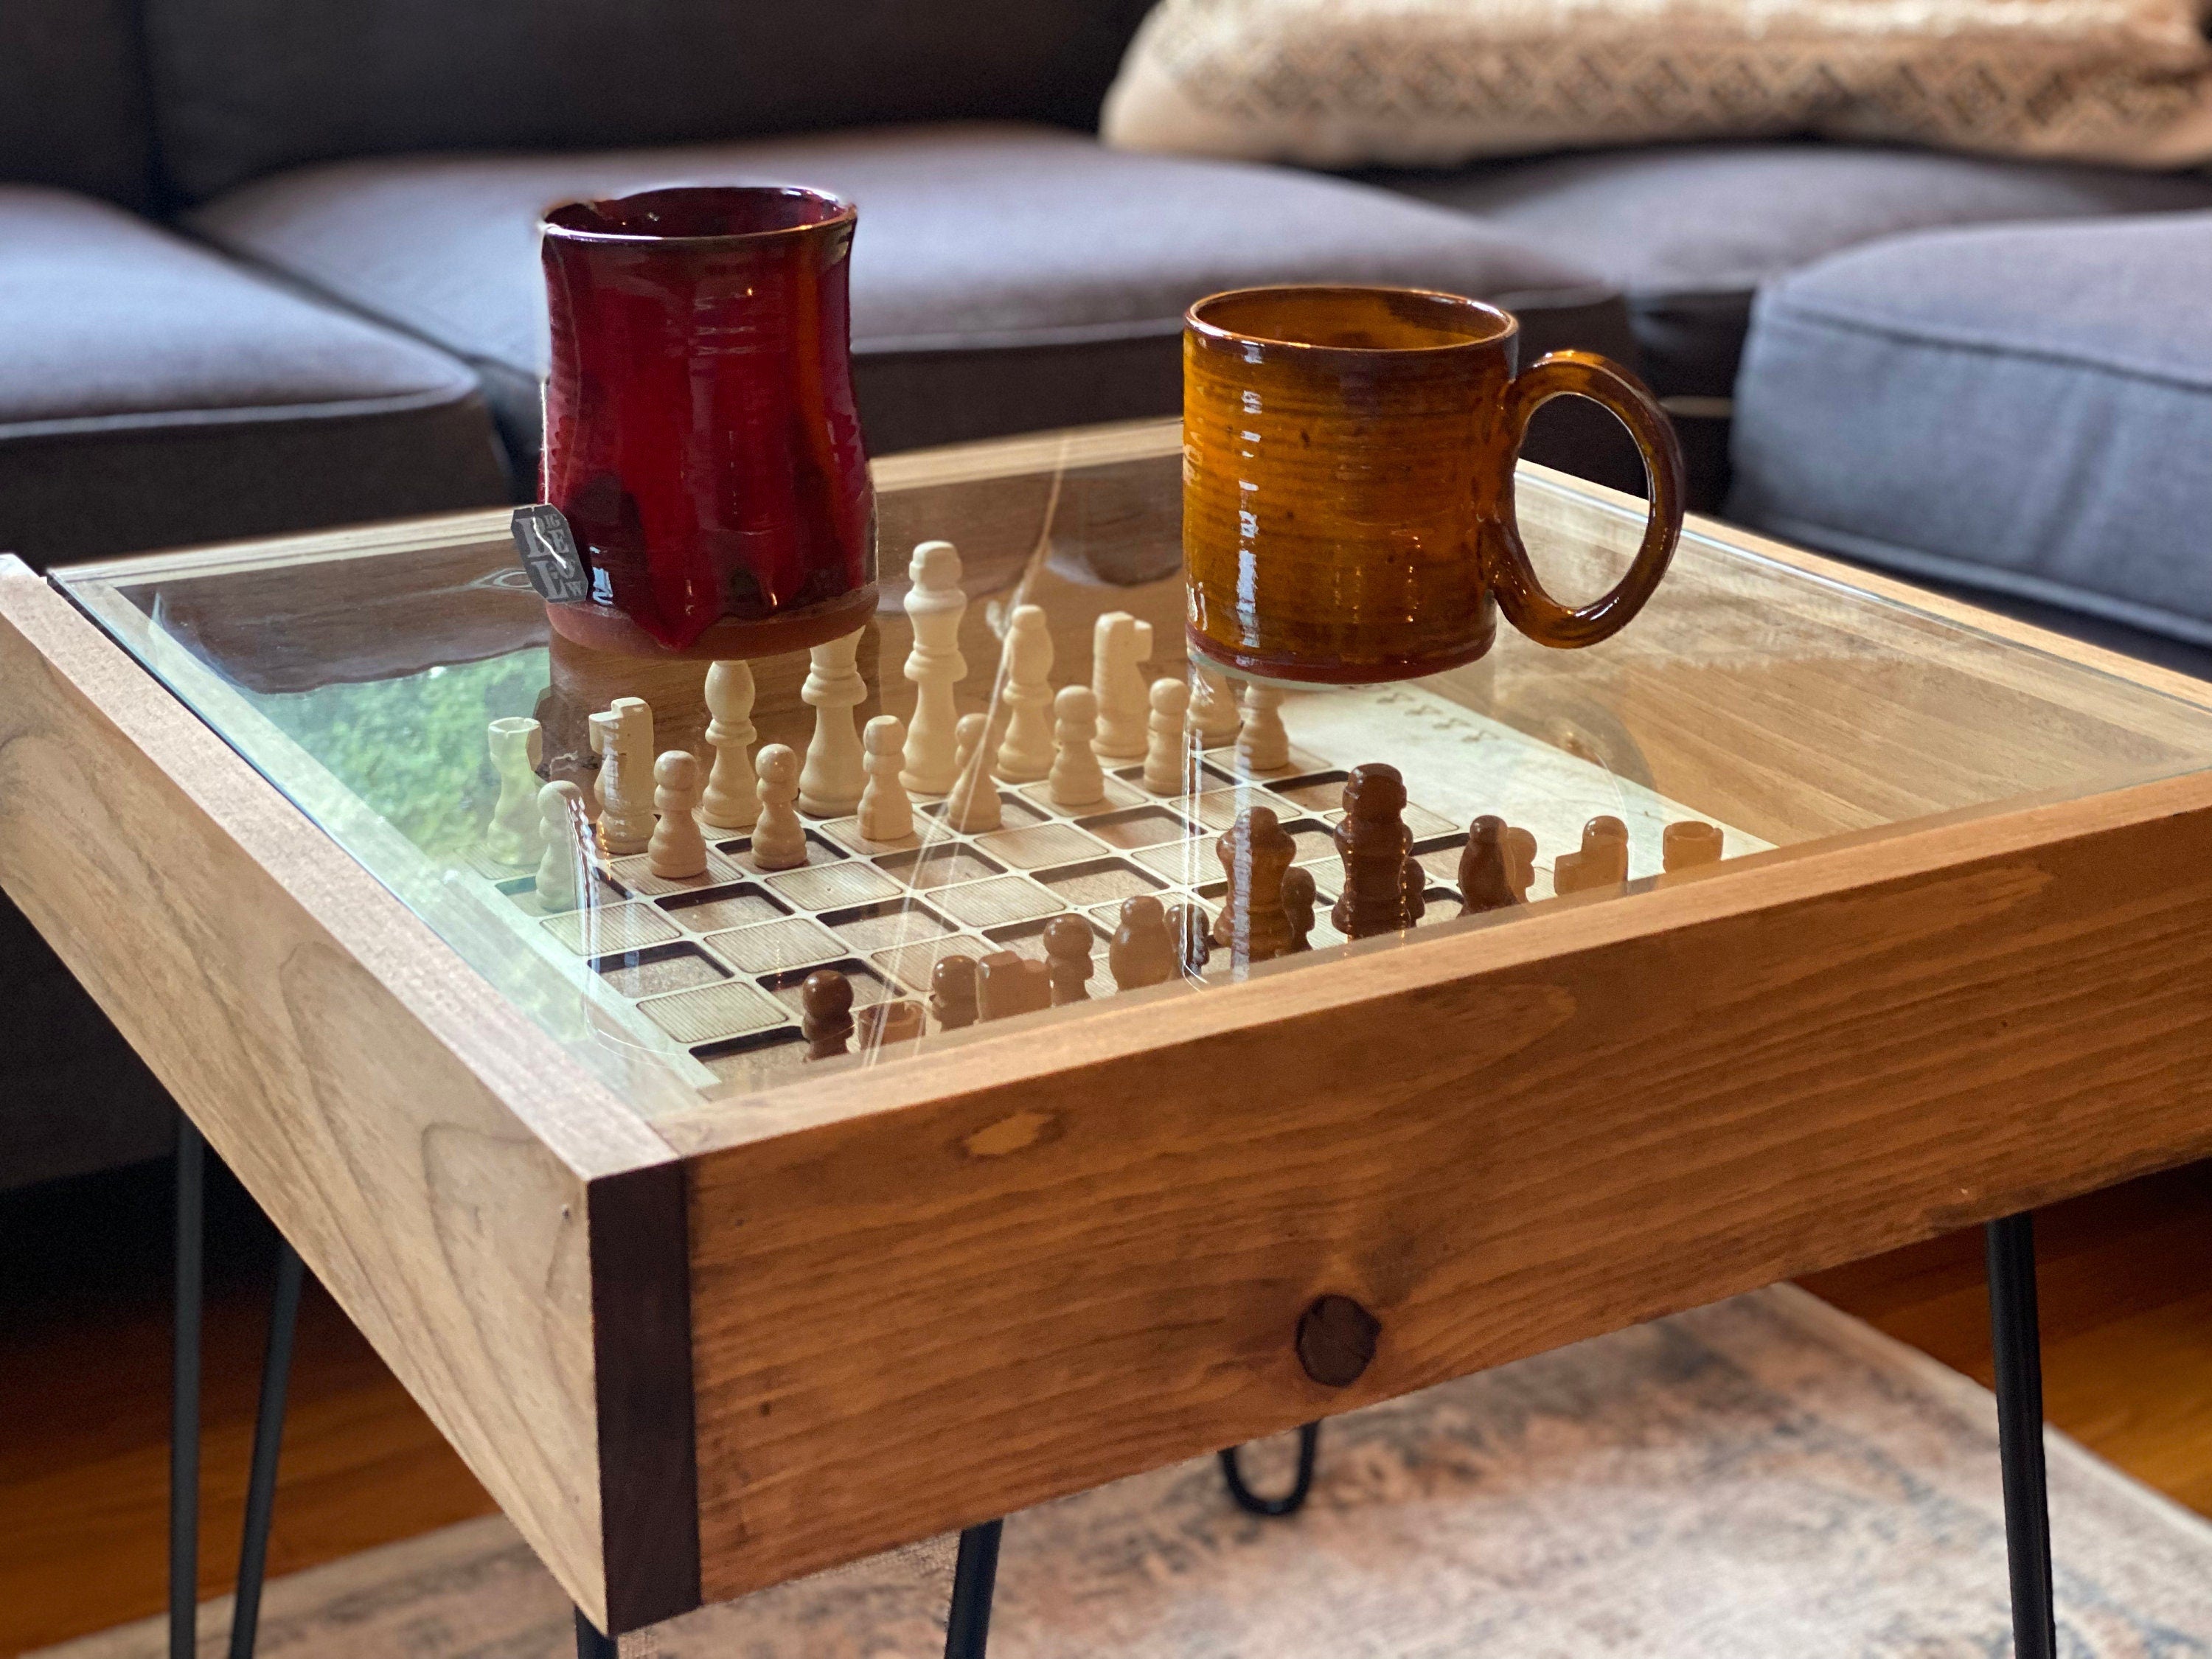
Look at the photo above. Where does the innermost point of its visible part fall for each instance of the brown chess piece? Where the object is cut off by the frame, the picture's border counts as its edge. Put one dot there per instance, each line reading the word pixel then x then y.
pixel 1486 869
pixel 1520 862
pixel 1299 896
pixel 882 1023
pixel 952 992
pixel 1601 861
pixel 1375 845
pixel 1142 951
pixel 1256 855
pixel 1686 845
pixel 1189 928
pixel 1068 944
pixel 1416 880
pixel 1008 984
pixel 825 1003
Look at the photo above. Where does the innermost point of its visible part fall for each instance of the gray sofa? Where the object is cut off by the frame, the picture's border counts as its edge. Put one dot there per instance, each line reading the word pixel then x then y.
pixel 268 265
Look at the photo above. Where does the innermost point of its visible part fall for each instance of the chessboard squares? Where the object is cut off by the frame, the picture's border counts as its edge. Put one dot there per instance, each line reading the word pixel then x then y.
pixel 524 893
pixel 846 832
pixel 790 943
pixel 1318 793
pixel 819 850
pixel 995 902
pixel 1027 939
pixel 1185 863
pixel 1013 812
pixel 732 1008
pixel 1118 794
pixel 1137 826
pixel 1216 810
pixel 1037 845
pixel 886 925
pixel 937 866
pixel 910 965
pixel 661 968
pixel 868 985
pixel 1225 763
pixel 832 886
pixel 1100 881
pixel 606 930
pixel 754 1061
pixel 739 907
pixel 635 873
pixel 1317 842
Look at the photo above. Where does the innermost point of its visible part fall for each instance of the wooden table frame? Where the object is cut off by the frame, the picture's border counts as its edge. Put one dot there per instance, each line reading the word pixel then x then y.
pixel 766 1336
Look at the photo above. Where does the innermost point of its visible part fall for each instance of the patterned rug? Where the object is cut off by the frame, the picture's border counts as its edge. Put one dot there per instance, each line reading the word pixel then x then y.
pixel 1764 1477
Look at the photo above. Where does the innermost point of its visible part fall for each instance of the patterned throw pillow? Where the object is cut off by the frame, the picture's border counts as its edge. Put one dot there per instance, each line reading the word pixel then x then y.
pixel 1350 83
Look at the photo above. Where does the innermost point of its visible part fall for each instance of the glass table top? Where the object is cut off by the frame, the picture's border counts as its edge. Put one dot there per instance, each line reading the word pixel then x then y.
pixel 1767 709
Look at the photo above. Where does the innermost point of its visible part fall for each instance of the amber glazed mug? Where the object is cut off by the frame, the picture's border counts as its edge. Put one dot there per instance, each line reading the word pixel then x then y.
pixel 1348 458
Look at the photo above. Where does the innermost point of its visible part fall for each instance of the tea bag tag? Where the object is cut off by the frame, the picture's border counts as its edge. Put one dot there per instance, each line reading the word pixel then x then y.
pixel 549 556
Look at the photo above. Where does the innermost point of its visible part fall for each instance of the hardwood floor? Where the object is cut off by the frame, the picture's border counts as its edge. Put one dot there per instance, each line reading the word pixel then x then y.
pixel 2126 1282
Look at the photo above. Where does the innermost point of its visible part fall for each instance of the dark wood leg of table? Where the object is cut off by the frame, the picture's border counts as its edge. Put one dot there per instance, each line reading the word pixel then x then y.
pixel 2016 1337
pixel 975 1575
pixel 590 1645
pixel 184 1397
pixel 1291 1501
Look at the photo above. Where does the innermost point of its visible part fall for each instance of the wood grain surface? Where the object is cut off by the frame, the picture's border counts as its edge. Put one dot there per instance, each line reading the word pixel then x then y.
pixel 425 1148
pixel 929 1293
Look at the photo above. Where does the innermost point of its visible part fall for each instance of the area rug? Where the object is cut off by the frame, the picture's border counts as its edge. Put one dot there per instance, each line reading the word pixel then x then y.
pixel 1764 1477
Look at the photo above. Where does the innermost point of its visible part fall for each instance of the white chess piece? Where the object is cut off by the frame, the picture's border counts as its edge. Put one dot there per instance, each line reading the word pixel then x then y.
pixel 1078 780
pixel 622 733
pixel 1026 753
pixel 1212 706
pixel 678 850
pixel 934 605
pixel 829 785
pixel 514 835
pixel 1262 745
pixel 886 814
pixel 974 805
pixel 778 839
pixel 730 801
pixel 561 870
pixel 1166 749
pixel 1118 643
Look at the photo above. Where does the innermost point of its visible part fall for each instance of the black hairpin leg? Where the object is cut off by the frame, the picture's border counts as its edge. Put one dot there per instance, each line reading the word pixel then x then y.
pixel 590 1645
pixel 184 1400
pixel 185 1419
pixel 968 1629
pixel 1291 1501
pixel 2017 1343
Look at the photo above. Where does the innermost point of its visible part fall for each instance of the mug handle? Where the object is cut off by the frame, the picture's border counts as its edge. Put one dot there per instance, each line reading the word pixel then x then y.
pixel 1521 596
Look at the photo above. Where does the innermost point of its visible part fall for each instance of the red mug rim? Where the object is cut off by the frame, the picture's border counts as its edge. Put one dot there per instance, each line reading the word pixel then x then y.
pixel 1505 325
pixel 838 211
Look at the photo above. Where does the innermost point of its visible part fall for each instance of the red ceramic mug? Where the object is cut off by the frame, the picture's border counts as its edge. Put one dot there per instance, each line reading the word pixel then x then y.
pixel 700 435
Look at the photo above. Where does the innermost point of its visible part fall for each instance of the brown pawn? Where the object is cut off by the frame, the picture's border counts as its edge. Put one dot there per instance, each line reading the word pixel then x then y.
pixel 1067 944
pixel 825 1003
pixel 1008 984
pixel 1256 855
pixel 952 992
pixel 1521 862
pixel 1299 896
pixel 1602 860
pixel 1189 928
pixel 1486 880
pixel 1142 951
pixel 1687 844
pixel 1416 879
pixel 881 1023
pixel 1375 844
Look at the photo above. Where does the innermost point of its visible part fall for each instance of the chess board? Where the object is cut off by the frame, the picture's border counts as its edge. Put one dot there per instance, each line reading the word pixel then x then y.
pixel 706 971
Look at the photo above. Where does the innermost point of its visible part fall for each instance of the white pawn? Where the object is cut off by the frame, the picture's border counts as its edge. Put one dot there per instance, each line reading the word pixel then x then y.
pixel 1118 643
pixel 886 814
pixel 974 805
pixel 778 839
pixel 623 734
pixel 1077 778
pixel 1212 706
pixel 676 850
pixel 730 801
pixel 1165 747
pixel 830 785
pixel 934 605
pixel 1026 667
pixel 566 831
pixel 1262 745
pixel 513 836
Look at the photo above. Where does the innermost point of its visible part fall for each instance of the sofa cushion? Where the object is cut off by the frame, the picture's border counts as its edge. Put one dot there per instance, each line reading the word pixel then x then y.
pixel 248 87
pixel 73 98
pixel 2025 408
pixel 1005 277
pixel 153 393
